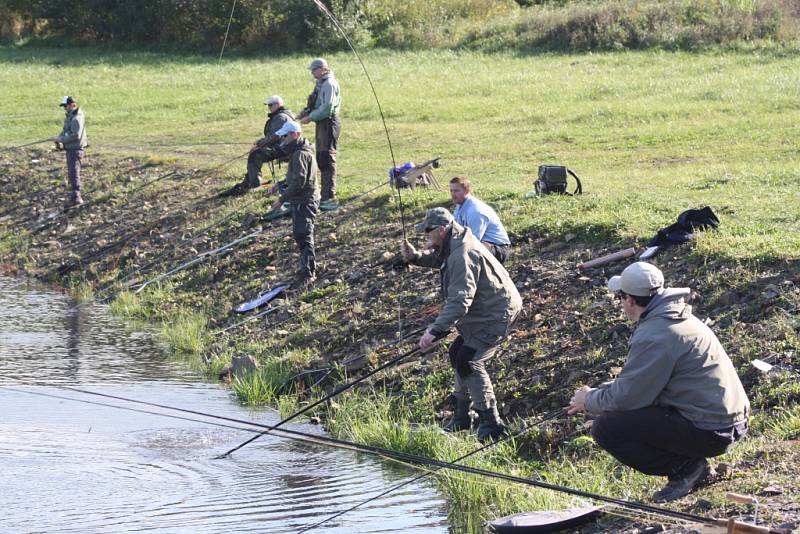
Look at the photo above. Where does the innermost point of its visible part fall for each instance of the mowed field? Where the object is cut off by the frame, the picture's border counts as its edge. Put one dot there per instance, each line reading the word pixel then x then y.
pixel 650 133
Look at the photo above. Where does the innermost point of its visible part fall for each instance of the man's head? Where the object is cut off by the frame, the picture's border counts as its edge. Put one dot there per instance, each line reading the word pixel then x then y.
pixel 636 287
pixel 435 225
pixel 290 131
pixel 460 189
pixel 319 68
pixel 274 103
pixel 68 103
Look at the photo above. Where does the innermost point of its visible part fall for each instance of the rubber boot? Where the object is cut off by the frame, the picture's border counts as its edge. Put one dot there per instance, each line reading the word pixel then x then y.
pixel 490 425
pixel 461 419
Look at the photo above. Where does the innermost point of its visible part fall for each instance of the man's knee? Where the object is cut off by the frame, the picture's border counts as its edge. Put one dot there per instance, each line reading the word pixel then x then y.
pixel 326 160
pixel 461 357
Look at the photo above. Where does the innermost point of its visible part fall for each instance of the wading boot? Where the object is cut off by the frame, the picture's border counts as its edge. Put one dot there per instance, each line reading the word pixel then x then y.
pixel 490 426
pixel 461 419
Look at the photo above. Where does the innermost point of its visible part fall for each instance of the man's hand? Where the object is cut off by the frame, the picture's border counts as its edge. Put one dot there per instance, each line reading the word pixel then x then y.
pixel 577 403
pixel 427 341
pixel 277 203
pixel 304 120
pixel 273 190
pixel 407 250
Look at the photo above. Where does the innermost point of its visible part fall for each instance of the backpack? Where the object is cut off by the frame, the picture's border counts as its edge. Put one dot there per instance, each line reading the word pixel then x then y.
pixel 553 179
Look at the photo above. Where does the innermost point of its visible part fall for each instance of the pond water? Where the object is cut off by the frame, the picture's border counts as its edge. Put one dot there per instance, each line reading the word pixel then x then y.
pixel 70 464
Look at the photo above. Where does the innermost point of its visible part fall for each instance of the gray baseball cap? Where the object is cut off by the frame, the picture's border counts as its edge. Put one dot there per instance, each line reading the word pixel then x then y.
pixel 274 99
pixel 641 279
pixel 434 217
pixel 318 63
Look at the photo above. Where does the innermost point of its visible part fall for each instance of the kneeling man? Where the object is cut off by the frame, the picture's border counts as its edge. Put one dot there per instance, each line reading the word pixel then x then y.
pixel 678 399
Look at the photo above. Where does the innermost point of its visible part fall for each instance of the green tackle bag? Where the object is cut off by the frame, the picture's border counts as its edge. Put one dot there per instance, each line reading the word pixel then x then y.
pixel 553 179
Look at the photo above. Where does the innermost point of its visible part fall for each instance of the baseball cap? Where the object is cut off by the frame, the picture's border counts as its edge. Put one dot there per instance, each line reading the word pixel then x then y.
pixel 640 279
pixel 434 218
pixel 288 127
pixel 274 99
pixel 67 100
pixel 318 63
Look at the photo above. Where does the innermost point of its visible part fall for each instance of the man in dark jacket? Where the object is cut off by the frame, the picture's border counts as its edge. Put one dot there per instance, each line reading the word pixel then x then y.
pixel 480 300
pixel 266 149
pixel 323 108
pixel 299 190
pixel 677 400
pixel 73 140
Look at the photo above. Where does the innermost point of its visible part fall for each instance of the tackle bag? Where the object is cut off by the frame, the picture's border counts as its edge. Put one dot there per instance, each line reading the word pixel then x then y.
pixel 553 179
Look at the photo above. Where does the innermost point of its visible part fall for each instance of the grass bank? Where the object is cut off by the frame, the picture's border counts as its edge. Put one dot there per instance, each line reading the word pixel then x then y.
pixel 650 134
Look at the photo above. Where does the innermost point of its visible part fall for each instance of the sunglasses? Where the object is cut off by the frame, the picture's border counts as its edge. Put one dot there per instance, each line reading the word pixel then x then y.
pixel 619 295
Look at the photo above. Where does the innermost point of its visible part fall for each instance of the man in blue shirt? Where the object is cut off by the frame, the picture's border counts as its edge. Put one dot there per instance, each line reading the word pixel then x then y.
pixel 480 218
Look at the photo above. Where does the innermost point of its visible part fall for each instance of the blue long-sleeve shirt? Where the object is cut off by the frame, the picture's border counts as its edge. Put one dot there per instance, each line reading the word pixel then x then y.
pixel 482 220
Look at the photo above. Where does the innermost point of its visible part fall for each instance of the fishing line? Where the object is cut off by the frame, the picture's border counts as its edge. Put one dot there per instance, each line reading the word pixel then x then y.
pixel 335 22
pixel 9 149
pixel 408 457
pixel 225 40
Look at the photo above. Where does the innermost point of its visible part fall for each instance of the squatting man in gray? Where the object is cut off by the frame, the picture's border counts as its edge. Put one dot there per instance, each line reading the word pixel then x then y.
pixel 480 300
pixel 677 400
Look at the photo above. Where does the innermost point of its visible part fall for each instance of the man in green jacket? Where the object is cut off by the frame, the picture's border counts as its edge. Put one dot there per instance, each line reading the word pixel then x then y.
pixel 323 108
pixel 677 400
pixel 73 139
pixel 480 300
pixel 299 190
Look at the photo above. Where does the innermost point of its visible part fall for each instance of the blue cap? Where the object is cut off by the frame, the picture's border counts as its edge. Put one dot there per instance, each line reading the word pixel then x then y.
pixel 288 127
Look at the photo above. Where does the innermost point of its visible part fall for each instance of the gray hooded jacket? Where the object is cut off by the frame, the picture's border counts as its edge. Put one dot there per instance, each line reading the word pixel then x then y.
pixel 674 360
pixel 73 135
pixel 480 298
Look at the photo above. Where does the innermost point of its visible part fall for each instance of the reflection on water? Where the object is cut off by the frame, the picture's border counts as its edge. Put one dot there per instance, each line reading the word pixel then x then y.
pixel 70 466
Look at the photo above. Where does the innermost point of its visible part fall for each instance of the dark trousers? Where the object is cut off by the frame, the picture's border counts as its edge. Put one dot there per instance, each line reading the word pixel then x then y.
pixel 657 440
pixel 303 216
pixel 500 252
pixel 256 160
pixel 74 159
pixel 327 134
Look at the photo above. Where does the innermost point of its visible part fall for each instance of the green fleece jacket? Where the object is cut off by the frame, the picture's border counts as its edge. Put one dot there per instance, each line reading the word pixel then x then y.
pixel 675 360
pixel 300 185
pixel 73 135
pixel 480 299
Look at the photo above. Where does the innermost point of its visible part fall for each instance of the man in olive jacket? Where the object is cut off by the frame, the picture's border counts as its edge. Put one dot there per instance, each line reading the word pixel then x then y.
pixel 677 400
pixel 480 300
pixel 299 189
pixel 323 107
pixel 73 139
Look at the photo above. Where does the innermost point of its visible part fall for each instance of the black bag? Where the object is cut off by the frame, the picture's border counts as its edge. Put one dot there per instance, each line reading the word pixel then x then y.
pixel 553 179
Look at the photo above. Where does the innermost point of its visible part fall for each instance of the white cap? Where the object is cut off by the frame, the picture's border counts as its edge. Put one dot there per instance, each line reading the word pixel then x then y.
pixel 288 127
pixel 66 100
pixel 274 99
pixel 640 279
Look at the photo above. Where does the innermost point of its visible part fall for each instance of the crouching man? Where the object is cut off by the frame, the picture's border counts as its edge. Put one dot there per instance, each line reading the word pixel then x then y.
pixel 678 399
pixel 480 300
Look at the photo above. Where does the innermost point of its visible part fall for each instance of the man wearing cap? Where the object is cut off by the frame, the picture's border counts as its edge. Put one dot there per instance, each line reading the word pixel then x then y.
pixel 266 149
pixel 299 189
pixel 73 139
pixel 678 399
pixel 323 108
pixel 480 218
pixel 480 300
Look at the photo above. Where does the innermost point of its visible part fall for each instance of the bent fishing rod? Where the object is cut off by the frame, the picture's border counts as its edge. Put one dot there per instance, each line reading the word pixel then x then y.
pixel 39 142
pixel 337 391
pixel 400 456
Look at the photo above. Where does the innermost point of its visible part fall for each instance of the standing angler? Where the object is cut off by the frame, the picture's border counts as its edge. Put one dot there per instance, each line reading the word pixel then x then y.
pixel 323 108
pixel 299 189
pixel 73 140
pixel 266 149
pixel 480 300
pixel 677 400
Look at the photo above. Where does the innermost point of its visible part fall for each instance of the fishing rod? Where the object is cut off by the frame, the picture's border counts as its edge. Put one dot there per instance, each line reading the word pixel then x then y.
pixel 553 415
pixel 415 459
pixel 200 258
pixel 338 26
pixel 9 149
pixel 225 40
pixel 337 391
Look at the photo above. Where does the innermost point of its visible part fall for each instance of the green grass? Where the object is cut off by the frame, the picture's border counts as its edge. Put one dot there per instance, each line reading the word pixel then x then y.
pixel 650 133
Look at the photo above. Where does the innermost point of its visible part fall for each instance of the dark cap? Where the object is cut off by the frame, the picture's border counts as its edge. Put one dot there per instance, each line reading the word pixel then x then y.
pixel 434 218
pixel 67 100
